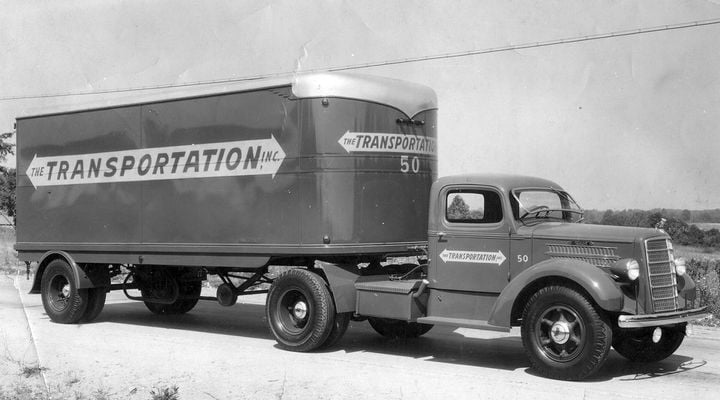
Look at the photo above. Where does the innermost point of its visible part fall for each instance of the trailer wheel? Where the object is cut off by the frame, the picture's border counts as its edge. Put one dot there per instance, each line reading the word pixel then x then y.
pixel 564 335
pixel 638 345
pixel 300 310
pixel 393 328
pixel 96 302
pixel 189 293
pixel 63 301
pixel 342 320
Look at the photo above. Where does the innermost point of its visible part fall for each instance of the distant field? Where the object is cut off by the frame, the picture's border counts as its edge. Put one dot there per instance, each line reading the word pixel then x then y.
pixel 698 253
pixel 706 226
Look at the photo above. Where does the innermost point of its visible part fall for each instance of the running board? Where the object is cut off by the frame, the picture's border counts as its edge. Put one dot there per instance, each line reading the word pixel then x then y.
pixel 462 322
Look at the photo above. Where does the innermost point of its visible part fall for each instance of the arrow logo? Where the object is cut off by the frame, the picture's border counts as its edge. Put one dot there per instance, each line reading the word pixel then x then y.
pixel 387 143
pixel 208 160
pixel 473 257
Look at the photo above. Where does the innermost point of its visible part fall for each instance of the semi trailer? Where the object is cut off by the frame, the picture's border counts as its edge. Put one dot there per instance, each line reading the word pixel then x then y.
pixel 321 191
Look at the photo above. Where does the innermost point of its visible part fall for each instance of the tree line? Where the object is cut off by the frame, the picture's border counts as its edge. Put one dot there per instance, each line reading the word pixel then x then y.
pixel 7 178
pixel 675 223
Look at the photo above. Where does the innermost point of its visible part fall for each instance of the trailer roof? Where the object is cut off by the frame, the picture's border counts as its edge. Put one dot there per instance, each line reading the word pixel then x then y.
pixel 410 98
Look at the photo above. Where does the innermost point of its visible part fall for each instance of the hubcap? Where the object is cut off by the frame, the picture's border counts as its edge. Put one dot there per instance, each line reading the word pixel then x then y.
pixel 560 332
pixel 293 312
pixel 59 293
pixel 66 290
pixel 300 310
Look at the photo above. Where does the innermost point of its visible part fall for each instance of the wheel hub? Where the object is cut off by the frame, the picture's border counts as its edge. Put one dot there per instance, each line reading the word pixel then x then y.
pixel 299 310
pixel 65 292
pixel 560 332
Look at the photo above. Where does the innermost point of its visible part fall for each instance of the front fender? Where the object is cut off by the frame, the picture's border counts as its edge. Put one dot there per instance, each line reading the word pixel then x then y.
pixel 599 285
pixel 686 290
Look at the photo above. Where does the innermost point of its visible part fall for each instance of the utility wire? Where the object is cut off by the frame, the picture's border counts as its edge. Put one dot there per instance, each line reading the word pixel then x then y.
pixel 469 53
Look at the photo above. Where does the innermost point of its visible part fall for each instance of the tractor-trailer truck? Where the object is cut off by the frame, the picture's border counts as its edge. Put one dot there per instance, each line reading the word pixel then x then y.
pixel 321 190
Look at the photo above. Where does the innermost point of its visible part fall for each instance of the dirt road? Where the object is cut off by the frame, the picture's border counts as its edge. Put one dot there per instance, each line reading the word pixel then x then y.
pixel 229 353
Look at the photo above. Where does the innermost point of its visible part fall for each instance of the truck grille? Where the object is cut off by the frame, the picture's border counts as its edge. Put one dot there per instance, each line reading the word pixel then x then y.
pixel 663 283
pixel 595 255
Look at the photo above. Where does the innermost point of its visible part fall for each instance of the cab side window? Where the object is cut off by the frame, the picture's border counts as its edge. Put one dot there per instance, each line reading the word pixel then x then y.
pixel 476 206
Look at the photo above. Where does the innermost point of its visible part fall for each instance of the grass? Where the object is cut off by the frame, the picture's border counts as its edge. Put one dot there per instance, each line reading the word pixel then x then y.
pixel 703 266
pixel 165 393
pixel 8 255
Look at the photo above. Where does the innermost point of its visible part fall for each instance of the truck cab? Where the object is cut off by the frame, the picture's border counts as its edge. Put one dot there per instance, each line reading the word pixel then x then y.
pixel 508 250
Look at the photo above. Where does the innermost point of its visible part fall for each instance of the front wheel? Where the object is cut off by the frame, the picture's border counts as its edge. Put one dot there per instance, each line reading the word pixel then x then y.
pixel 564 335
pixel 638 344
pixel 300 311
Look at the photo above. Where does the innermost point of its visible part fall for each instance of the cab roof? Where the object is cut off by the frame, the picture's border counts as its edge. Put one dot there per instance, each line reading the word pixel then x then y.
pixel 504 182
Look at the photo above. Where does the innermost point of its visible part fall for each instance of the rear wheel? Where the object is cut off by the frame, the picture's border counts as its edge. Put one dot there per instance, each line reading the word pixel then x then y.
pixel 300 311
pixel 638 344
pixel 96 302
pixel 393 328
pixel 342 320
pixel 63 301
pixel 564 335
pixel 188 297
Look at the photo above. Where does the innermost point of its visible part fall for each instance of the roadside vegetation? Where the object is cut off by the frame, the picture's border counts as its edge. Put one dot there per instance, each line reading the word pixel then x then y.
pixel 700 247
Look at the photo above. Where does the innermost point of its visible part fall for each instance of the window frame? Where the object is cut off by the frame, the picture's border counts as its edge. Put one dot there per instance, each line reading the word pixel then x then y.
pixel 485 192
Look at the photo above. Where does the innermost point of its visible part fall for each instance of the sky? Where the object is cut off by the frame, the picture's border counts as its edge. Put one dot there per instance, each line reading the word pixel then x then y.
pixel 620 122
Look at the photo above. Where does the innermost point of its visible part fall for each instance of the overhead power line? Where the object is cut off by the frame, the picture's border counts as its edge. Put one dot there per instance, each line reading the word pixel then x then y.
pixel 468 53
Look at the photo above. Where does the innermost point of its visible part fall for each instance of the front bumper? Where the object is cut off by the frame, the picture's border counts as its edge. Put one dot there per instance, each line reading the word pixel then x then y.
pixel 667 318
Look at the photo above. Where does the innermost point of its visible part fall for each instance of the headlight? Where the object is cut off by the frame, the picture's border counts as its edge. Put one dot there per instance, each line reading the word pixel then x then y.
pixel 680 268
pixel 626 269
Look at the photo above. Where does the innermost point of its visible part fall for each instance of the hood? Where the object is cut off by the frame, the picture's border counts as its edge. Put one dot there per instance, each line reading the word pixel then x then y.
pixel 605 233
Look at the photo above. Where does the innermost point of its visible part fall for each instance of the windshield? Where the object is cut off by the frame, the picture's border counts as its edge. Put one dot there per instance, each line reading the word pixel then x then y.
pixel 546 203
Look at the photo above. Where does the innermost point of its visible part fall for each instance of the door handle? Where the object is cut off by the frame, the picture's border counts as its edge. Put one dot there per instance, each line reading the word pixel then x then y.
pixel 441 237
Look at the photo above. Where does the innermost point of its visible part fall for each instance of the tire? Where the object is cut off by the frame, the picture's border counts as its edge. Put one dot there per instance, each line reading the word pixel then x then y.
pixel 96 302
pixel 342 320
pixel 63 301
pixel 564 336
pixel 393 328
pixel 300 311
pixel 637 344
pixel 190 295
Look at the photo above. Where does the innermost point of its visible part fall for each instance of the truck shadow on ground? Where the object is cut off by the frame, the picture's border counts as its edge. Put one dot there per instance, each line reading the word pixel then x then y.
pixel 441 344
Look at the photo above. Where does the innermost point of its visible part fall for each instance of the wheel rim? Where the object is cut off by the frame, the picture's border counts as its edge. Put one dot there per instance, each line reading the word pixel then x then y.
pixel 560 334
pixel 59 293
pixel 293 312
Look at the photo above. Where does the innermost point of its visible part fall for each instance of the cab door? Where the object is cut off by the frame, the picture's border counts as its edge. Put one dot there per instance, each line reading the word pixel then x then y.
pixel 471 250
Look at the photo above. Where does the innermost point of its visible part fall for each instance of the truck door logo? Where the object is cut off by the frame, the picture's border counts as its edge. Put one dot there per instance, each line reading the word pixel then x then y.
pixel 473 257
pixel 387 143
pixel 239 158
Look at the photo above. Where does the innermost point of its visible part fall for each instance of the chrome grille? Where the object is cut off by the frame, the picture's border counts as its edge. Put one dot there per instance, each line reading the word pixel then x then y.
pixel 595 255
pixel 663 283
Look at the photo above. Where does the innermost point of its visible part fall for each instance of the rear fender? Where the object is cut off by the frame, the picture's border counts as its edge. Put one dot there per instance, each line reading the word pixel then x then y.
pixel 85 276
pixel 604 291
pixel 342 284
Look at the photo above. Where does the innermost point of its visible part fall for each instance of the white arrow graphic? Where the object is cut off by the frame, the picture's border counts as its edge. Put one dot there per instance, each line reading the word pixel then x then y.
pixel 239 158
pixel 474 257
pixel 387 143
